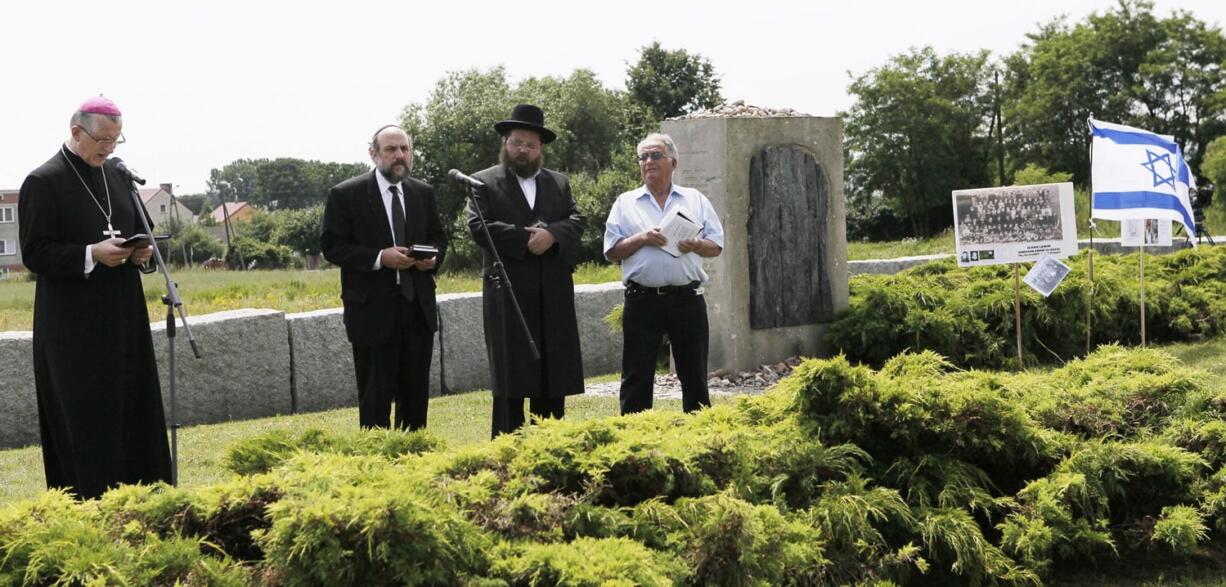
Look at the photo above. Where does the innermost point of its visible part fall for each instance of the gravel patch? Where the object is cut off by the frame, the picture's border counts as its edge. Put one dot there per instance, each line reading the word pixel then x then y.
pixel 720 382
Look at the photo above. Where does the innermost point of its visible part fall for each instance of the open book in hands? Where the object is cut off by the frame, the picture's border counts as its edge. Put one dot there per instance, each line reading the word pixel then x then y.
pixel 676 227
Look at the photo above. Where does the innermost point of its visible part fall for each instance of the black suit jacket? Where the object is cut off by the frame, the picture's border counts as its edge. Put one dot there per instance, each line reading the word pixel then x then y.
pixel 355 229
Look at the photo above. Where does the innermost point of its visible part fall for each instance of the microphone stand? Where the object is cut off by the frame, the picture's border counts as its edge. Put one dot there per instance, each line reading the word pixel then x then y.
pixel 172 302
pixel 498 273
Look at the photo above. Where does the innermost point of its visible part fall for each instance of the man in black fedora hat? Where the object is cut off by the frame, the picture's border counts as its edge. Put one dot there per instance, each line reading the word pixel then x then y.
pixel 535 226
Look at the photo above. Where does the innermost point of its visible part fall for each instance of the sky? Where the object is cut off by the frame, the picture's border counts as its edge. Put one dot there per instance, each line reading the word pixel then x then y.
pixel 202 84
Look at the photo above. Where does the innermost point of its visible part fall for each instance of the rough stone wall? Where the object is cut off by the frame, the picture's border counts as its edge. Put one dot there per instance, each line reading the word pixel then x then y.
pixel 715 154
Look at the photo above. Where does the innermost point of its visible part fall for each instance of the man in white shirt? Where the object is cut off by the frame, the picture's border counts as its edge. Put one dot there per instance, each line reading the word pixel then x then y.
pixel 663 292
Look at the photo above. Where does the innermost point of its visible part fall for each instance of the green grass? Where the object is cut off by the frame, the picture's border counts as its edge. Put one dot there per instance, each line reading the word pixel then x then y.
pixel 907 247
pixel 206 291
pixel 1208 356
pixel 458 420
pixel 1215 220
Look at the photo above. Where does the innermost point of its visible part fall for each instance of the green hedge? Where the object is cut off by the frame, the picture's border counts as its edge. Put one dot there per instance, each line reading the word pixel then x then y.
pixel 917 473
pixel 967 315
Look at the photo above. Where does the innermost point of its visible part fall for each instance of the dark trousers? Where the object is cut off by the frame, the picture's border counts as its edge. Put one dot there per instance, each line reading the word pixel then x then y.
pixel 396 372
pixel 646 317
pixel 509 411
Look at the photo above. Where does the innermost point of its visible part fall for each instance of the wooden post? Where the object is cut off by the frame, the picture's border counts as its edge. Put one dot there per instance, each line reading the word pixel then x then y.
pixel 1017 310
pixel 1142 262
pixel 1090 298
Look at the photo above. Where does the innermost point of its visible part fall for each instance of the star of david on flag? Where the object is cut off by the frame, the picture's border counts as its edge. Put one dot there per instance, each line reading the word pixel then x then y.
pixel 1137 174
pixel 1161 176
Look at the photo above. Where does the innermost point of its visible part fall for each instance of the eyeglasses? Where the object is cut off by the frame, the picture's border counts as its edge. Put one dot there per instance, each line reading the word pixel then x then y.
pixel 653 155
pixel 103 142
pixel 518 144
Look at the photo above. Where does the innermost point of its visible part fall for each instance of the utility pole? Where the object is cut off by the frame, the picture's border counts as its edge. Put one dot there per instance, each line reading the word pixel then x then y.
pixel 1000 127
pixel 225 213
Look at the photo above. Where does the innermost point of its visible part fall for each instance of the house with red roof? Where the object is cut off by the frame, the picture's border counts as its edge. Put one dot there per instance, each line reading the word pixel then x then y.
pixel 162 205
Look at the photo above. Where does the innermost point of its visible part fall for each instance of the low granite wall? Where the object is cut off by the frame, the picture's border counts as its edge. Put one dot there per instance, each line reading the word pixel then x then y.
pixel 243 372
pixel 18 406
pixel 259 363
pixel 889 266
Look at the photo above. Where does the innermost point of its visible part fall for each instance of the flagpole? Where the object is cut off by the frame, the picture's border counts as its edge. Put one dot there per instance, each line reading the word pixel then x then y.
pixel 1090 259
pixel 1090 290
pixel 1017 310
pixel 1142 262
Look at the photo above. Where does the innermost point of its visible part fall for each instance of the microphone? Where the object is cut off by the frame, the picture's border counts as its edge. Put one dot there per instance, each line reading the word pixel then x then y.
pixel 124 171
pixel 464 179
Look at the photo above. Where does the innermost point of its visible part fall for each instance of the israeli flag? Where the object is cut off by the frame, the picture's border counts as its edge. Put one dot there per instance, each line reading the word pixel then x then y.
pixel 1138 174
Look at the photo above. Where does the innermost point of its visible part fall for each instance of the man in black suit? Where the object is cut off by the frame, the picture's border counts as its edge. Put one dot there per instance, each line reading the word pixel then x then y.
pixel 535 226
pixel 371 222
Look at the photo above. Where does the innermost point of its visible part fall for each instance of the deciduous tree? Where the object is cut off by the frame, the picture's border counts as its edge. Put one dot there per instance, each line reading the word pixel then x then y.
pixel 917 130
pixel 672 83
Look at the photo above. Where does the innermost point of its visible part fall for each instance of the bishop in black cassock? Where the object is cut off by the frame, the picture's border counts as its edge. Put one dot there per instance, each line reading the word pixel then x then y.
pixel 99 401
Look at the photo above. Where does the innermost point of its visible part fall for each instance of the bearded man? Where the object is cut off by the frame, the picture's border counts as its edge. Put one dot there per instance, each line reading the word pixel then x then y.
pixel 535 226
pixel 370 226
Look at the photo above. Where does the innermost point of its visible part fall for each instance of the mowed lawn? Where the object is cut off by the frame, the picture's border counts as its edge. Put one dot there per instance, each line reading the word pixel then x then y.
pixel 207 291
pixel 457 419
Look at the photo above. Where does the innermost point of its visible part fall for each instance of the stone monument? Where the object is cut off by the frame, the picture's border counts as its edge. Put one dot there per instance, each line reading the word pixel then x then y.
pixel 775 178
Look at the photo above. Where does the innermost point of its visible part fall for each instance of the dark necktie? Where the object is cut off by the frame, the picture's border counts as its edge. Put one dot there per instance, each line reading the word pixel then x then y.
pixel 402 277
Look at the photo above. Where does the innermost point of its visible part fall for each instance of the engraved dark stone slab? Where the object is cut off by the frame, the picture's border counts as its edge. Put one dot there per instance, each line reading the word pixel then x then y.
pixel 788 200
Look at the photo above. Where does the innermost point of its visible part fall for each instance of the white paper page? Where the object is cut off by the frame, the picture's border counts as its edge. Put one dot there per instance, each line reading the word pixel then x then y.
pixel 1152 232
pixel 676 227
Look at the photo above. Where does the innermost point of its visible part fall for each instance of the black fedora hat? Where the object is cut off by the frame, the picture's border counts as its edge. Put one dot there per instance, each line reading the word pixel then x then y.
pixel 529 117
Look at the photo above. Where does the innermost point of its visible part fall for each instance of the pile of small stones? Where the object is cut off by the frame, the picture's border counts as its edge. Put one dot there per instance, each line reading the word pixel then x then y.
pixel 720 381
pixel 761 378
pixel 739 109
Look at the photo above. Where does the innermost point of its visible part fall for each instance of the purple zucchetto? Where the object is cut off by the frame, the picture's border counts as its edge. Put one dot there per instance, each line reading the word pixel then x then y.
pixel 100 105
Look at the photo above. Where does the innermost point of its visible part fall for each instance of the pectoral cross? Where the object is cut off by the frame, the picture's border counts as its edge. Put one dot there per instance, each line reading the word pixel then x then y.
pixel 110 231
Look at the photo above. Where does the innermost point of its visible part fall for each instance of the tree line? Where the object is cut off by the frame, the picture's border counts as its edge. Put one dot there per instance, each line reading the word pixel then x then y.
pixel 597 127
pixel 924 123
pixel 920 125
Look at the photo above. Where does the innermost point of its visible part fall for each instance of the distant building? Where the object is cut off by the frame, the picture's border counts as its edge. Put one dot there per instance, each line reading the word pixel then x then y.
pixel 159 201
pixel 10 252
pixel 239 211
pixel 162 205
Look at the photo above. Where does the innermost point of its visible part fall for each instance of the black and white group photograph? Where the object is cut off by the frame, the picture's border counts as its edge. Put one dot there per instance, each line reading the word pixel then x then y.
pixel 1010 215
pixel 1015 223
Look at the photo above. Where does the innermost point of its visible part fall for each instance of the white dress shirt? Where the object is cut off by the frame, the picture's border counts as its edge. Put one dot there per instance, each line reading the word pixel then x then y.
pixel 386 193
pixel 636 211
pixel 528 184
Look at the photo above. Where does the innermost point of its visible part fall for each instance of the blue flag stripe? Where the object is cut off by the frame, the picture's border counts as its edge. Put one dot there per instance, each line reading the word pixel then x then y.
pixel 1120 137
pixel 1140 199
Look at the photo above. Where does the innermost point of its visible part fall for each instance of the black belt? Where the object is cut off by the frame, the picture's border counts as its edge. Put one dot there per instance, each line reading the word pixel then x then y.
pixel 664 290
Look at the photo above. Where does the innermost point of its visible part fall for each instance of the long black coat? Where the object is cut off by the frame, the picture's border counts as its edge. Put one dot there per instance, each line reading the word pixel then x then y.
pixel 355 228
pixel 99 401
pixel 543 285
